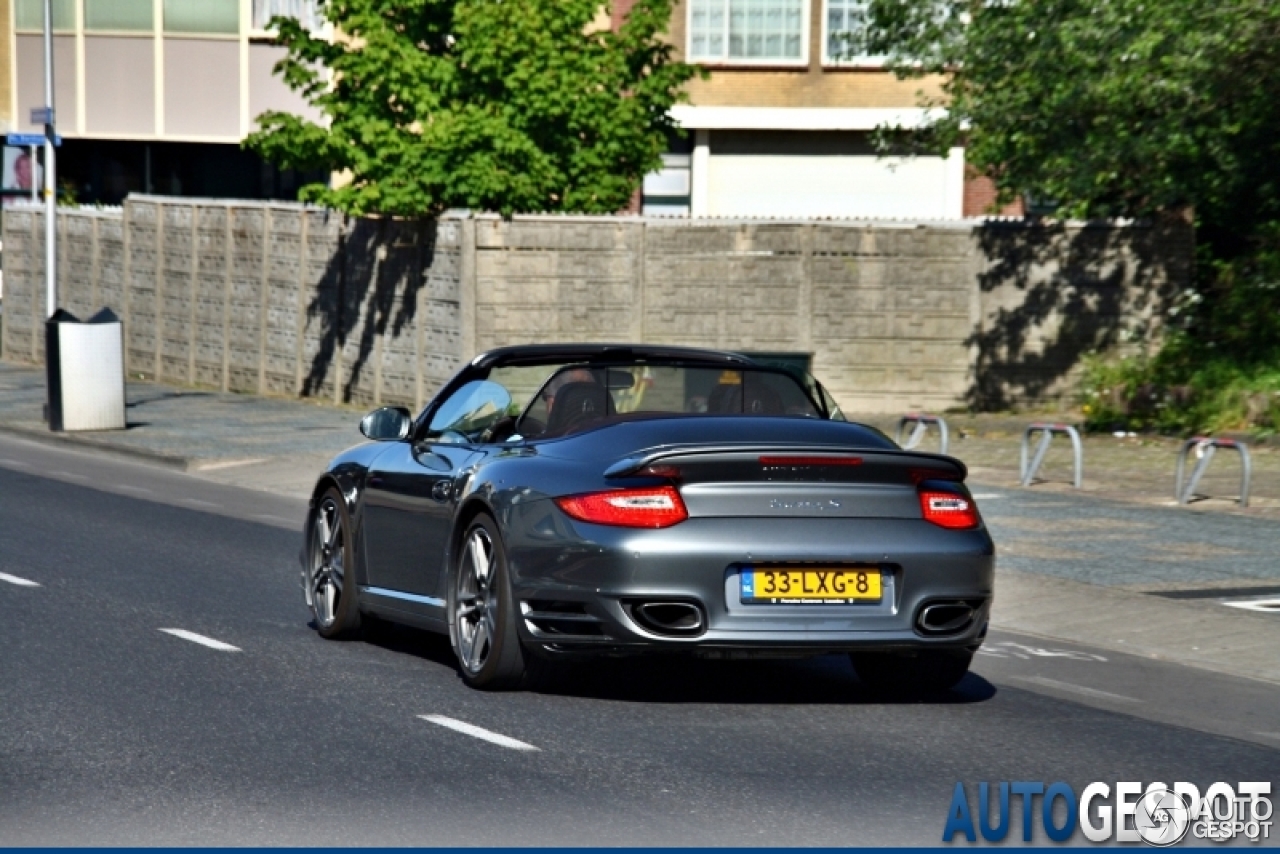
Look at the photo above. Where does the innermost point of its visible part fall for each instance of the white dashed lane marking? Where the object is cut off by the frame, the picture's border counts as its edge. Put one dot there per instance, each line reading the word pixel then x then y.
pixel 478 732
pixel 228 464
pixel 202 640
pixel 196 502
pixel 1069 688
pixel 21 582
pixel 987 496
pixel 1265 606
pixel 267 517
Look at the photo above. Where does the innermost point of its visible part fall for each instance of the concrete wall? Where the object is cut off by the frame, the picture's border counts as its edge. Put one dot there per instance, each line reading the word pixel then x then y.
pixel 286 299
pixel 267 299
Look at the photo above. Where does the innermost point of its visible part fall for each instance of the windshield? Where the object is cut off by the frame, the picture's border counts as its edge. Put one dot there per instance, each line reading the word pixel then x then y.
pixel 576 396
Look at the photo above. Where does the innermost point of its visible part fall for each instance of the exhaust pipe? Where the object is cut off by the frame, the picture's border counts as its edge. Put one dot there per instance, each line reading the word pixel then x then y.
pixel 683 619
pixel 945 618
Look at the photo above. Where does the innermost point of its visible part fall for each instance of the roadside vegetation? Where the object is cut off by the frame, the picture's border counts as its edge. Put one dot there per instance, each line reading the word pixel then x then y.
pixel 499 105
pixel 1218 366
pixel 1133 108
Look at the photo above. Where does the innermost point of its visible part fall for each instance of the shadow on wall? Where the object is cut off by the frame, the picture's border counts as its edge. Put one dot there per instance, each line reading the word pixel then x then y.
pixel 1052 293
pixel 369 287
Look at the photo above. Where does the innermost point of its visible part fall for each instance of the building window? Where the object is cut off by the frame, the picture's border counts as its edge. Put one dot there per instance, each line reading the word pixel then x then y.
pixel 221 17
pixel 844 24
pixel 118 15
pixel 306 12
pixel 29 15
pixel 747 30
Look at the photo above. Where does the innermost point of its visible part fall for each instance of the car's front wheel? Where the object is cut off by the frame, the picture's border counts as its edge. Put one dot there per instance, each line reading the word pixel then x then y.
pixel 482 611
pixel 329 583
pixel 924 671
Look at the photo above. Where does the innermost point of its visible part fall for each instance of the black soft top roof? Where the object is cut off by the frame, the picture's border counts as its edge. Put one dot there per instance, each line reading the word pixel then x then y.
pixel 534 354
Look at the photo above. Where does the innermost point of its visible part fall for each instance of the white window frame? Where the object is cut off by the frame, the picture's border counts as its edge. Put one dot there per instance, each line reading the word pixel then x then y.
pixel 843 62
pixel 806 13
pixel 261 33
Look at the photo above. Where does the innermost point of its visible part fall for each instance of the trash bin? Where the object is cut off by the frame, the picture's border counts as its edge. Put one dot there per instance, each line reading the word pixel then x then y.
pixel 84 363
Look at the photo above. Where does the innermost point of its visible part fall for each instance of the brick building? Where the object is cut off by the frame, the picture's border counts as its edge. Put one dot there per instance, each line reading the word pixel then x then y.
pixel 152 95
pixel 155 96
pixel 782 127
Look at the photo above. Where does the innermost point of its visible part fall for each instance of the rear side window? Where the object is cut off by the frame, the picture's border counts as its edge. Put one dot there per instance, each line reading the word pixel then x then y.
pixel 578 396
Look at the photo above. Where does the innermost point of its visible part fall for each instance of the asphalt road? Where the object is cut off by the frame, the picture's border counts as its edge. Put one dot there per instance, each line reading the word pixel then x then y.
pixel 116 732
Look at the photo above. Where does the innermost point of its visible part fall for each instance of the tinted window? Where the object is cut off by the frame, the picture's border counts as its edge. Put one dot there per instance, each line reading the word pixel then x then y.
pixel 577 396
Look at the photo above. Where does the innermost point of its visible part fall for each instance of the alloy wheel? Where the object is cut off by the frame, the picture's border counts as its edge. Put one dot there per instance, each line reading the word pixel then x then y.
pixel 328 570
pixel 476 602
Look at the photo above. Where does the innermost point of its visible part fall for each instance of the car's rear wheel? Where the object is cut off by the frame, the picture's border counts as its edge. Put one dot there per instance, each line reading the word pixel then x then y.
pixel 483 613
pixel 329 583
pixel 926 670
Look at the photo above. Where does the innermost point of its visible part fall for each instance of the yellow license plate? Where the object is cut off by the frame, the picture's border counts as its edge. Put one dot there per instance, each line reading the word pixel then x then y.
pixel 809 586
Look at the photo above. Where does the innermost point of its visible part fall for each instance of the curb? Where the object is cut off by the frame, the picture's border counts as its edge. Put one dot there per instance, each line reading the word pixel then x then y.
pixel 65 441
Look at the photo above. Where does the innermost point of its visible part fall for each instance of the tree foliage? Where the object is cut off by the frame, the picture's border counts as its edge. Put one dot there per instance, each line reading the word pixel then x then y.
pixel 506 105
pixel 1128 108
pixel 1106 107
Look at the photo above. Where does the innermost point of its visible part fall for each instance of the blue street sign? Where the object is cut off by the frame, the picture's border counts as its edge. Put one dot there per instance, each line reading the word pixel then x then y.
pixel 29 139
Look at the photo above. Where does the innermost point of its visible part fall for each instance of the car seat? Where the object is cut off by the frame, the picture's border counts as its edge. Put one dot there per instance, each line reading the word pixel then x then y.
pixel 576 404
pixel 759 399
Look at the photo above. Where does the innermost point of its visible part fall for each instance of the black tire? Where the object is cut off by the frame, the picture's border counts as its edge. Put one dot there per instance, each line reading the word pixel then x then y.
pixel 924 671
pixel 483 613
pixel 329 577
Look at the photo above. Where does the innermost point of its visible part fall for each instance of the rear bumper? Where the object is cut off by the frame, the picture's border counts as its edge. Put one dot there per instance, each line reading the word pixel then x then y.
pixel 594 575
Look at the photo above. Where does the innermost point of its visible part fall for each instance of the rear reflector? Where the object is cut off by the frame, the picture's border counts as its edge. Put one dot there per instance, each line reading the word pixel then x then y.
pixel 948 509
pixel 650 507
pixel 810 461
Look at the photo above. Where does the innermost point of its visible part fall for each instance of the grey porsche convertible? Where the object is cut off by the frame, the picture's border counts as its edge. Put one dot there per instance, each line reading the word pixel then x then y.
pixel 559 501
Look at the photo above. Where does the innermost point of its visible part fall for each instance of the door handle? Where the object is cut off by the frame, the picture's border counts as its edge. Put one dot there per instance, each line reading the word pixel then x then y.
pixel 441 490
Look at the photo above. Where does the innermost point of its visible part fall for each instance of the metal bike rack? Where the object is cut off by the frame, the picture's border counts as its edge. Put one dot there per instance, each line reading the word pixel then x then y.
pixel 1205 446
pixel 1048 431
pixel 922 422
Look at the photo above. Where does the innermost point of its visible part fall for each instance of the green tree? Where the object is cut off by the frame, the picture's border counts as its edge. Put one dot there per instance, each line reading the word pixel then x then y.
pixel 1107 107
pixel 1128 108
pixel 506 105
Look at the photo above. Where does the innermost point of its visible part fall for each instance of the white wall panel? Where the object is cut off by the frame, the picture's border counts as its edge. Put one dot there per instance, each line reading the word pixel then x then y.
pixel 202 88
pixel 120 93
pixel 267 91
pixel 856 185
pixel 30 89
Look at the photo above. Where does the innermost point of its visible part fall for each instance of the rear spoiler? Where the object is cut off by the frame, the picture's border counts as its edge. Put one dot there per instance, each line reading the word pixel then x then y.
pixel 929 463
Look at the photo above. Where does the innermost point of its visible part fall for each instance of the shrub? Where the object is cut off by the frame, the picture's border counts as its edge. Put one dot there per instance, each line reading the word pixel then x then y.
pixel 1219 366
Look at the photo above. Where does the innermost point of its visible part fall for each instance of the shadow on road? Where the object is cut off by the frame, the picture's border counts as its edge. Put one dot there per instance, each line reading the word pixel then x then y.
pixel 828 679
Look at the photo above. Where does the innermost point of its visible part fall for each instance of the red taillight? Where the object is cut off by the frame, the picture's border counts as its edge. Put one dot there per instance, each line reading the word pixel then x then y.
pixel 651 507
pixel 948 509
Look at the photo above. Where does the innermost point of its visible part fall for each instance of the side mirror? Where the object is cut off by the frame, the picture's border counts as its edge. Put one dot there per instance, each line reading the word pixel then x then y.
pixel 388 424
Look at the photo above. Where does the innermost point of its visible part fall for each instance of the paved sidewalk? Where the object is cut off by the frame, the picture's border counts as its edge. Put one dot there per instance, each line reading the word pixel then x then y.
pixel 1127 468
pixel 257 442
pixel 1112 565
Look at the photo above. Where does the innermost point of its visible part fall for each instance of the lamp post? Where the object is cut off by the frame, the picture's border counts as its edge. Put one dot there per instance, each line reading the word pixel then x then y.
pixel 50 174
